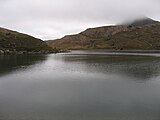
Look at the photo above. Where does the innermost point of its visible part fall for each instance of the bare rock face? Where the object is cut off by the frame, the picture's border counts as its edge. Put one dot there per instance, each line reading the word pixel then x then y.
pixel 141 34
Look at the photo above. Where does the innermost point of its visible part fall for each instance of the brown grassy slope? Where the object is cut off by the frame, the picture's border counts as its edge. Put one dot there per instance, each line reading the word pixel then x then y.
pixel 145 37
pixel 87 39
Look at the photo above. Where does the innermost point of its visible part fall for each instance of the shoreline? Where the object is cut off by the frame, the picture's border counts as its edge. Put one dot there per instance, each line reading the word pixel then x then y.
pixel 14 52
pixel 9 52
pixel 121 51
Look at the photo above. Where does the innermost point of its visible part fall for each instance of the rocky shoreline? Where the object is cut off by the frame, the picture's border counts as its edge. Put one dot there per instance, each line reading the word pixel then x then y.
pixel 14 52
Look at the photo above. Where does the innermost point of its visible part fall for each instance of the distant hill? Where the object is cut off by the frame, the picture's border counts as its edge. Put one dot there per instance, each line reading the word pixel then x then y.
pixel 14 41
pixel 141 34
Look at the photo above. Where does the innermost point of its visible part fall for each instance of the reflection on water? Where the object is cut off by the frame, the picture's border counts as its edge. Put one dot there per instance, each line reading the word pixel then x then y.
pixel 80 86
pixel 10 63
pixel 141 67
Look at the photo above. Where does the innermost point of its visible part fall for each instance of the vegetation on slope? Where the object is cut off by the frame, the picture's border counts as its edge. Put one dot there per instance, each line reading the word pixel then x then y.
pixel 14 41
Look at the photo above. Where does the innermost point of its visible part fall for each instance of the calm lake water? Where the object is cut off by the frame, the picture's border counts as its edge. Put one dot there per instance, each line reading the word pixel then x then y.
pixel 81 85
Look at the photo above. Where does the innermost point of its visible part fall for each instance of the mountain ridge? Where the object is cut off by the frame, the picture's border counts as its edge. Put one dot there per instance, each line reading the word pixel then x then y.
pixel 139 35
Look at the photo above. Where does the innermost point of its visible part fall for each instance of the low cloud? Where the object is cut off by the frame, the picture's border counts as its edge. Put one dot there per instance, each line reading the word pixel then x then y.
pixel 49 19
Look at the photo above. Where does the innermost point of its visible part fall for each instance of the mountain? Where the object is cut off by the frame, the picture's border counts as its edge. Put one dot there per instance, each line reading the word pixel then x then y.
pixel 140 34
pixel 143 21
pixel 11 41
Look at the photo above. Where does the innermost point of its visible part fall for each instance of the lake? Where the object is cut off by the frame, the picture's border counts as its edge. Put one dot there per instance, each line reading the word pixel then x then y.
pixel 81 85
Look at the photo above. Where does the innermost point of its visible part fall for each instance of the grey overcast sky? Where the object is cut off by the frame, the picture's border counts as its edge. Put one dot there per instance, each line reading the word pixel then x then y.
pixel 50 19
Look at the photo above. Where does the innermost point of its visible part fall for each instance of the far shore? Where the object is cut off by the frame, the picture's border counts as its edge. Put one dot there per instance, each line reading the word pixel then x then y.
pixel 120 51
pixel 135 51
pixel 7 52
